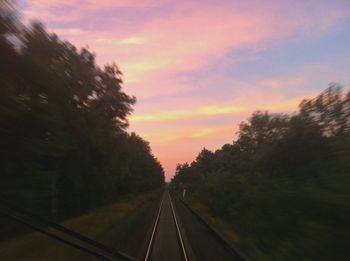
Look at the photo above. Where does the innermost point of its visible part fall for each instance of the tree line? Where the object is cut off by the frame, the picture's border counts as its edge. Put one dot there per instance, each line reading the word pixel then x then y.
pixel 64 145
pixel 284 183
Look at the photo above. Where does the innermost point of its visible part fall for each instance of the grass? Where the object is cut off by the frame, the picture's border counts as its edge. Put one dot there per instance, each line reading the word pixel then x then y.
pixel 246 245
pixel 102 224
pixel 312 239
pixel 225 228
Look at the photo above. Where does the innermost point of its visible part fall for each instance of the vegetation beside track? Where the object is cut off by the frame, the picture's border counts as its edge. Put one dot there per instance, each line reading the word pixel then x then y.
pixel 281 190
pixel 103 224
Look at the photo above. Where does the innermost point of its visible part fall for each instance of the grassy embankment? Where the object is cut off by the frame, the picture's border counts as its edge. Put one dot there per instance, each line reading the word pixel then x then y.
pixel 308 245
pixel 225 228
pixel 102 224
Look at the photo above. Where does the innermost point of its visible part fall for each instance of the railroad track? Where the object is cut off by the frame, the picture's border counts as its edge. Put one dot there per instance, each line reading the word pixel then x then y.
pixel 166 240
pixel 154 253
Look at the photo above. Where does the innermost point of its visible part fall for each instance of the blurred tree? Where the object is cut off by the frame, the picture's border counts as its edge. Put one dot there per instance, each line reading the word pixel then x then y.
pixel 284 183
pixel 330 110
pixel 64 145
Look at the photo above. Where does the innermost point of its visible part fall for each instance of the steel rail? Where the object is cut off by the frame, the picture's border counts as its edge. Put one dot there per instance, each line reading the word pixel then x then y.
pixel 178 229
pixel 155 226
pixel 149 247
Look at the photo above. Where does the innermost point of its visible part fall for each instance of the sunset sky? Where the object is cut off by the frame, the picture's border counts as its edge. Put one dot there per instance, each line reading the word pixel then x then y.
pixel 198 68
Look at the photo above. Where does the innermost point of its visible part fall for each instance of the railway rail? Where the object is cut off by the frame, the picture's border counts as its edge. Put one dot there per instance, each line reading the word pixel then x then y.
pixel 166 205
pixel 177 232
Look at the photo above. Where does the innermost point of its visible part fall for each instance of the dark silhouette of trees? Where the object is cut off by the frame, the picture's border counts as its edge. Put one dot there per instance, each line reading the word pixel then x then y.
pixel 284 184
pixel 64 146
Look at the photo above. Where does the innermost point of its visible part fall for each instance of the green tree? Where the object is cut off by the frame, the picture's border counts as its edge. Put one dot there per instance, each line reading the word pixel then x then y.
pixel 284 183
pixel 64 145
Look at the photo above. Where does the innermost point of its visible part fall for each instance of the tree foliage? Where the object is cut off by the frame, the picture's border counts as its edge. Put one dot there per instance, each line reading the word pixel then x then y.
pixel 64 146
pixel 284 184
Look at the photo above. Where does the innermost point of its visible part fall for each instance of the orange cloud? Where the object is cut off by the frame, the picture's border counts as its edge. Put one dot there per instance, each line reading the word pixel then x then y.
pixel 68 31
pixel 200 113
pixel 131 40
pixel 190 133
pixel 186 114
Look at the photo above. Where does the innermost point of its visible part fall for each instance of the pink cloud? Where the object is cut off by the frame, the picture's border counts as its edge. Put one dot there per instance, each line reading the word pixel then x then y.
pixel 187 134
pixel 190 37
pixel 154 50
